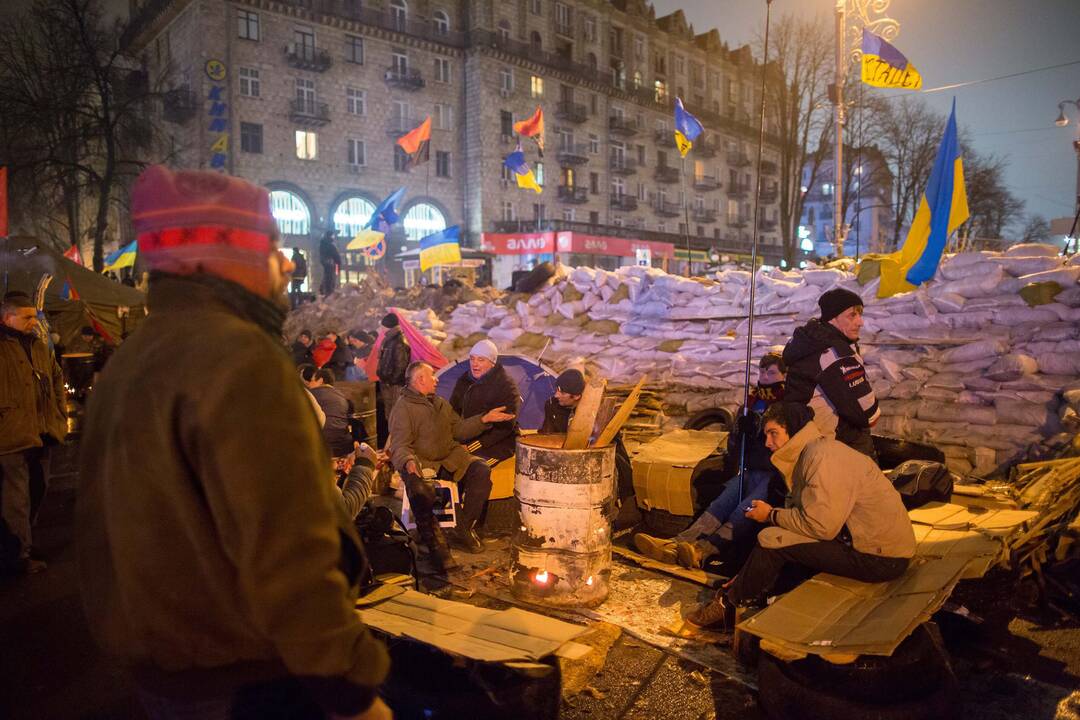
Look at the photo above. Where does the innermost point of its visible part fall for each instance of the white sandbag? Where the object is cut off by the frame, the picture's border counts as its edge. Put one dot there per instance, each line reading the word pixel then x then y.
pixel 1066 277
pixel 901 323
pixel 949 302
pixel 1012 366
pixel 939 394
pixel 969 258
pixel 951 412
pixel 983 284
pixel 823 277
pixel 1032 249
pixel 1024 316
pixel 975 351
pixel 905 389
pixel 1056 363
pixel 1019 412
pixel 1018 266
pixel 952 271
pixel 948 380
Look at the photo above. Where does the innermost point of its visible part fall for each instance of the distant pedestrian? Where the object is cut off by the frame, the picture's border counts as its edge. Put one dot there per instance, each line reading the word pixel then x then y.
pixel 299 275
pixel 394 358
pixel 330 260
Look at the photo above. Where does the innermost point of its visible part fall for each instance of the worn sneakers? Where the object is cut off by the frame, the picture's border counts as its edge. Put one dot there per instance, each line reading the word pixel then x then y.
pixel 716 616
pixel 658 549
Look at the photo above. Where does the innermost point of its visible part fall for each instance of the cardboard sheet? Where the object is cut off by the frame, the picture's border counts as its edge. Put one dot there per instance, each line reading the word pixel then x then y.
pixel 950 516
pixel 698 576
pixel 473 632
pixel 663 467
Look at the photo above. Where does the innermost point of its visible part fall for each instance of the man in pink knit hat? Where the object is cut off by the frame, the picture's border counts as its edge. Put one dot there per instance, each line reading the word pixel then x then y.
pixel 214 557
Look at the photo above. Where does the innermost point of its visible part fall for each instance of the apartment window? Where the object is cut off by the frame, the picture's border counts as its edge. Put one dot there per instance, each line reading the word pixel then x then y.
pixel 355 101
pixel 641 192
pixel 442 70
pixel 562 16
pixel 594 217
pixel 251 138
pixel 540 174
pixel 618 186
pixel 399 14
pixel 307 145
pixel 639 47
pixel 537 86
pixel 538 211
pixel 594 183
pixel 354 49
pixel 506 123
pixel 249 82
pixel 401 159
pixel 507 173
pixel 399 62
pixel 506 79
pixel 680 65
pixel 247 25
pixel 594 103
pixel 304 40
pixel 305 94
pixel 504 30
pixel 594 144
pixel 441 22
pixel 641 155
pixel 357 152
pixel 536 7
pixel 638 80
pixel 661 92
pixel 444 117
pixel 442 164
pixel 568 214
pixel 590 28
pixel 508 213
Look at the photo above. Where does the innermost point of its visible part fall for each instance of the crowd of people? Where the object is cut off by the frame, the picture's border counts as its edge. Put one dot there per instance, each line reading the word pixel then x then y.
pixel 243 478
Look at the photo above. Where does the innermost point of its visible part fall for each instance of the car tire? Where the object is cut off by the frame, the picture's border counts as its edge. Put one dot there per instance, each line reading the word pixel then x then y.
pixel 536 278
pixel 713 416
pixel 893 451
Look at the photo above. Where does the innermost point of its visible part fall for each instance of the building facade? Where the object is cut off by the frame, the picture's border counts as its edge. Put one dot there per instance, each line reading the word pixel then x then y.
pixel 307 98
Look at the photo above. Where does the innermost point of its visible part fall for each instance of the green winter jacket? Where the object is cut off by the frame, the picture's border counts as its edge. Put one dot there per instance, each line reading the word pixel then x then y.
pixel 31 394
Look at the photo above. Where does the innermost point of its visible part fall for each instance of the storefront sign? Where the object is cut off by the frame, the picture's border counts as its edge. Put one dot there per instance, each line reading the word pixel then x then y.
pixel 518 243
pixel 643 257
pixel 573 242
pixel 218 111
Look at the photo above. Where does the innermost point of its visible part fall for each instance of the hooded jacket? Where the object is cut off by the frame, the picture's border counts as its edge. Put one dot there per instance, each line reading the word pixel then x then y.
pixel 475 396
pixel 833 486
pixel 31 393
pixel 826 372
pixel 394 357
pixel 425 429
pixel 209 534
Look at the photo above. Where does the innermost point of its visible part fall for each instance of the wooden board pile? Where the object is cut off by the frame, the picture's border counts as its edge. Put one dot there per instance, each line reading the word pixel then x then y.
pixel 1049 551
pixel 975 362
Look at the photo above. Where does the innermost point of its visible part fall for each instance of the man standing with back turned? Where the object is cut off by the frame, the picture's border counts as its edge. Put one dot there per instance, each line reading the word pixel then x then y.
pixel 214 557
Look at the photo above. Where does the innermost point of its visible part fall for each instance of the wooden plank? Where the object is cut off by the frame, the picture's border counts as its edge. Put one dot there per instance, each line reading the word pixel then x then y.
pixel 622 415
pixel 581 425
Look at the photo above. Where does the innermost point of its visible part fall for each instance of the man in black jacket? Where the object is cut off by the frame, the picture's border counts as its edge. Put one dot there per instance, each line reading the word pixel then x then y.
pixel 330 259
pixel 299 275
pixel 826 372
pixel 338 410
pixel 486 387
pixel 394 358
pixel 301 348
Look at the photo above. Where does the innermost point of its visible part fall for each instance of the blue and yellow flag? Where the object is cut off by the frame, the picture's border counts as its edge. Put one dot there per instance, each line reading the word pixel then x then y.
pixel 522 172
pixel 386 214
pixel 121 258
pixel 687 128
pixel 441 248
pixel 884 66
pixel 364 239
pixel 942 209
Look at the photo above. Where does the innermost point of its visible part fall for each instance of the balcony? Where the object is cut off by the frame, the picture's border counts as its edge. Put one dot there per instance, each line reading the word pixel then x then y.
pixel 705 148
pixel 622 126
pixel 179 105
pixel 738 159
pixel 307 57
pixel 309 112
pixel 766 225
pixel 738 221
pixel 770 194
pixel 703 215
pixel 564 28
pixel 398 126
pixel 706 183
pixel 624 202
pixel 404 78
pixel 573 195
pixel 666 174
pixel 622 165
pixel 570 154
pixel 738 190
pixel 768 167
pixel 571 112
pixel 666 208
pixel 528 51
pixel 664 137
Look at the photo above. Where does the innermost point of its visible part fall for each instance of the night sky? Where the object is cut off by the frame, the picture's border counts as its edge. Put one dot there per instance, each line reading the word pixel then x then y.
pixel 960 41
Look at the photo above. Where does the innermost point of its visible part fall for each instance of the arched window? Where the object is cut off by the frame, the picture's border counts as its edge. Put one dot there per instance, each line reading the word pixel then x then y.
pixel 291 212
pixel 504 29
pixel 637 80
pixel 536 42
pixel 421 220
pixel 441 22
pixel 591 59
pixel 351 215
pixel 399 13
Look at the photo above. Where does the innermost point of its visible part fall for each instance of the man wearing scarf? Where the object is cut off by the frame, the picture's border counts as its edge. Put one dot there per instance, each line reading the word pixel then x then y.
pixel 215 559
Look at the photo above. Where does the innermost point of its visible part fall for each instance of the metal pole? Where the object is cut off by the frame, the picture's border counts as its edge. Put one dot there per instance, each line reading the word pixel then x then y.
pixel 838 101
pixel 686 215
pixel 753 253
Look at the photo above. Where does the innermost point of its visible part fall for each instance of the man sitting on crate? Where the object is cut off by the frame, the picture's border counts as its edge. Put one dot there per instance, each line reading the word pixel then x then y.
pixel 843 516
pixel 425 433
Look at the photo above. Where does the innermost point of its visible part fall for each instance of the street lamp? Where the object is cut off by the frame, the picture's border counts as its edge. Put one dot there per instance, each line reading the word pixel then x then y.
pixel 1062 121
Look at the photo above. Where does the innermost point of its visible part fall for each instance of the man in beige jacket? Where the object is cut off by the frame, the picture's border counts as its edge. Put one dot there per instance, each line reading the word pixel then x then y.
pixel 842 516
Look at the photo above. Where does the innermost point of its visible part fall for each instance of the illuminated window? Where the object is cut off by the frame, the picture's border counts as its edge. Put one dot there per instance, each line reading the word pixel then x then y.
pixel 307 145
pixel 537 86
pixel 351 215
pixel 291 212
pixel 422 220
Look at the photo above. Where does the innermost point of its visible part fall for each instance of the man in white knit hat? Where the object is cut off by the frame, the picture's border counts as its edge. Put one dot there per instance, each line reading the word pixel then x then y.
pixel 487 386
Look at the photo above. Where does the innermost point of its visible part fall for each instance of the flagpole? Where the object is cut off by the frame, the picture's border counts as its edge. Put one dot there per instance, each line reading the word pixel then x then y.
pixel 754 252
pixel 838 101
pixel 686 215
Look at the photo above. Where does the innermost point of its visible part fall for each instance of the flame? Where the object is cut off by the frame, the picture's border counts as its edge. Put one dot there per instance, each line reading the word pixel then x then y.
pixel 588 581
pixel 541 577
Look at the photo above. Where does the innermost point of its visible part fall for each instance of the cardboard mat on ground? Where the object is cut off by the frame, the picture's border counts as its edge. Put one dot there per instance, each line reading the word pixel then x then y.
pixel 663 468
pixel 474 632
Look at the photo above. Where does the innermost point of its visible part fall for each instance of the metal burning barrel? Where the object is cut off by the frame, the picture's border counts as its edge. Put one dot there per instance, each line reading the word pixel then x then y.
pixel 561 552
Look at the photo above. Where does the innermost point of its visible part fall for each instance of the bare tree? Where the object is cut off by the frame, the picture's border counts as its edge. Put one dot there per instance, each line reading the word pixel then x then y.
pixel 1036 230
pixel 993 206
pixel 77 119
pixel 799 56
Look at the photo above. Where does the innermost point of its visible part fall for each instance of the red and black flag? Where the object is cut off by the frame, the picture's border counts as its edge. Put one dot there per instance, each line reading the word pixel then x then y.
pixel 416 142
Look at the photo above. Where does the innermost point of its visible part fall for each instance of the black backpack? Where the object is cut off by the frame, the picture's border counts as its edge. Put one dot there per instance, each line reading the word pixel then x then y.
pixel 922 481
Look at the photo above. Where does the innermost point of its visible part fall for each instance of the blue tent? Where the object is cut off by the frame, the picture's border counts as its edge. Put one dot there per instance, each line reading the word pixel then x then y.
pixel 535 383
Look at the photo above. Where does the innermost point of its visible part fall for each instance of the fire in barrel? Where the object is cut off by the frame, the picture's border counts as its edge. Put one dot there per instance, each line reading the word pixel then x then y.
pixel 561 553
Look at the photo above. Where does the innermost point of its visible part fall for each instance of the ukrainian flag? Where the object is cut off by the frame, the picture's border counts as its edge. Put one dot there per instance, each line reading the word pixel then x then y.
pixel 122 258
pixel 522 172
pixel 687 128
pixel 884 66
pixel 942 209
pixel 364 239
pixel 386 214
pixel 441 248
